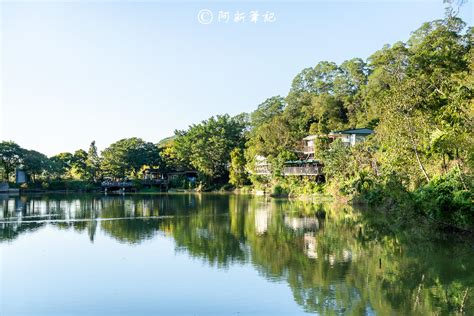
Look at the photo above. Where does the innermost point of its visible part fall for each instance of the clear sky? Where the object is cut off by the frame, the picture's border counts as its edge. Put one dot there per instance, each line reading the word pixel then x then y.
pixel 77 71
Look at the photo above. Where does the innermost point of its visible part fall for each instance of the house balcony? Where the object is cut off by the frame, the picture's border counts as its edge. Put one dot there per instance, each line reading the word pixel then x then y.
pixel 308 170
pixel 154 181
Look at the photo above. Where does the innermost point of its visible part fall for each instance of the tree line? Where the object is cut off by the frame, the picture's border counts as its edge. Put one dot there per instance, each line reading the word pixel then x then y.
pixel 124 158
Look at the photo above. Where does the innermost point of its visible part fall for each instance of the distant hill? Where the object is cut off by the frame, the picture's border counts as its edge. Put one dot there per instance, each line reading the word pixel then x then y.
pixel 165 141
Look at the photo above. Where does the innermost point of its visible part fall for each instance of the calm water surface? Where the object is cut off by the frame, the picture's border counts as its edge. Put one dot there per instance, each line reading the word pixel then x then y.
pixel 218 254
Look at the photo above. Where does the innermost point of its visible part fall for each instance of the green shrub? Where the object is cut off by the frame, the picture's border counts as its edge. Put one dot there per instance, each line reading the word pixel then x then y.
pixel 445 199
pixel 72 185
pixel 179 182
pixel 384 192
pixel 137 184
pixel 278 190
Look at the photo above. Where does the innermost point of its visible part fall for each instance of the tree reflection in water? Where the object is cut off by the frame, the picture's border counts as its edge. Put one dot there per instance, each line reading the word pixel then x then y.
pixel 335 258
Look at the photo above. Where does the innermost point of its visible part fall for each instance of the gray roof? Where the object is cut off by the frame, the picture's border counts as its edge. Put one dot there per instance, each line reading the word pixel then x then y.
pixel 357 131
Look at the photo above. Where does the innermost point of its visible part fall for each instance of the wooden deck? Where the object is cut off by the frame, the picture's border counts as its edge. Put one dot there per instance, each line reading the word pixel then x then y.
pixel 310 170
pixel 117 185
pixel 130 186
pixel 303 170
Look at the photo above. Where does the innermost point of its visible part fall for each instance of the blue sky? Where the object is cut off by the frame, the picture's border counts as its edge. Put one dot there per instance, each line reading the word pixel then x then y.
pixel 77 71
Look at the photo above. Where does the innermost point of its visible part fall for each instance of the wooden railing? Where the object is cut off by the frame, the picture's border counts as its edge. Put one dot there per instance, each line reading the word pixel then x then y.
pixel 302 171
pixel 128 184
pixel 155 181
pixel 117 184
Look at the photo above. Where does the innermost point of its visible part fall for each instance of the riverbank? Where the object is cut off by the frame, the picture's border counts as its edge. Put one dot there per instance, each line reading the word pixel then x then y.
pixel 443 204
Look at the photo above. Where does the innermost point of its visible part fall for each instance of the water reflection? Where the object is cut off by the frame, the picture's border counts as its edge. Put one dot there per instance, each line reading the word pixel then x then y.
pixel 333 258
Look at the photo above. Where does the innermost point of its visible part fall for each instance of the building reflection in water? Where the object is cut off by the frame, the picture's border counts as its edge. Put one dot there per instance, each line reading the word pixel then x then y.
pixel 302 223
pixel 262 218
pixel 310 245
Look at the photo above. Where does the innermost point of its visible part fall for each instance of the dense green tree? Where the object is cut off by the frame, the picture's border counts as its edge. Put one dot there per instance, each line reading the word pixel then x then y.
pixel 11 155
pixel 403 129
pixel 207 146
pixel 267 110
pixel 237 173
pixel 327 113
pixel 348 87
pixel 437 50
pixel 317 80
pixel 271 138
pixel 93 163
pixel 351 77
pixel 79 165
pixel 337 161
pixel 170 158
pixel 61 165
pixel 35 163
pixel 126 157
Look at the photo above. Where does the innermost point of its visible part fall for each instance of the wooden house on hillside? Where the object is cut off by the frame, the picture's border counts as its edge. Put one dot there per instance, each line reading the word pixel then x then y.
pixel 350 137
pixel 307 165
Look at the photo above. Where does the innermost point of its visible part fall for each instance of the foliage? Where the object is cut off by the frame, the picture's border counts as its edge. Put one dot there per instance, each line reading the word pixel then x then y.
pixel 181 182
pixel 10 157
pixel 267 110
pixel 79 165
pixel 445 199
pixel 207 146
pixel 296 186
pixel 237 174
pixel 337 161
pixel 93 163
pixel 126 157
pixel 270 138
pixel 61 165
pixel 35 163
pixel 279 190
pixel 60 185
pixel 327 113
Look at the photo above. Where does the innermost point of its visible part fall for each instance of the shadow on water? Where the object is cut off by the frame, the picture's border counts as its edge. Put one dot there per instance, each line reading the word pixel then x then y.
pixel 336 259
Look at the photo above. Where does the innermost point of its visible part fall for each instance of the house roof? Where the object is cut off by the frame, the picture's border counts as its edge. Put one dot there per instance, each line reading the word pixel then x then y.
pixel 357 131
pixel 311 137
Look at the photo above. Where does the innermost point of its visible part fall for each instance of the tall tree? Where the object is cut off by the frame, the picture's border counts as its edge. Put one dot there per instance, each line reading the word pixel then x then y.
pixel 79 165
pixel 326 113
pixel 237 173
pixel 267 110
pixel 35 163
pixel 61 165
pixel 127 156
pixel 11 156
pixel 207 146
pixel 271 138
pixel 93 163
pixel 404 127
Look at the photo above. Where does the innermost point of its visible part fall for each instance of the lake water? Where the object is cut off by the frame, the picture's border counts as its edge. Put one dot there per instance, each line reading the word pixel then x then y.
pixel 219 254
